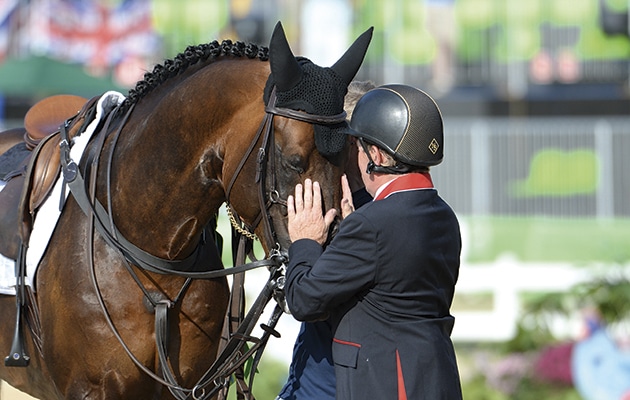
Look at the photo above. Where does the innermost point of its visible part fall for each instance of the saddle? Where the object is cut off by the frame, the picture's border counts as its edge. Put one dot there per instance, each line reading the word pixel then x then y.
pixel 29 187
pixel 45 116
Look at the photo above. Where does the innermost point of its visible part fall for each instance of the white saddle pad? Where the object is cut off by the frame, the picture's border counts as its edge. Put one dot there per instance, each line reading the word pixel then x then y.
pixel 48 214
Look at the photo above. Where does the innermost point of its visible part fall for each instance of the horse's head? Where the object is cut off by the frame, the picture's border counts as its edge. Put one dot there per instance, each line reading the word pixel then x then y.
pixel 306 103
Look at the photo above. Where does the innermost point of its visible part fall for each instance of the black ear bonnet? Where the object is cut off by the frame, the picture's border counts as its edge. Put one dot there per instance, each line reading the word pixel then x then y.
pixel 302 85
pixel 320 92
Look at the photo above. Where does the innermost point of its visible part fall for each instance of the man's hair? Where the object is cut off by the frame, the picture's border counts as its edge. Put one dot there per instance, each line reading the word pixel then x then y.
pixel 356 89
pixel 390 161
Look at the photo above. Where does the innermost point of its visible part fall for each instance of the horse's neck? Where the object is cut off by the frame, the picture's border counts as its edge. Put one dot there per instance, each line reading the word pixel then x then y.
pixel 168 174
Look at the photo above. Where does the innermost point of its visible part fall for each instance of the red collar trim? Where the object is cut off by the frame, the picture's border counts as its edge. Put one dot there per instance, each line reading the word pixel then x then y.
pixel 404 183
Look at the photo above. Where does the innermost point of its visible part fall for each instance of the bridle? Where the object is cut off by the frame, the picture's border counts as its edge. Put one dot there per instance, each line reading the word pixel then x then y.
pixel 231 357
pixel 266 165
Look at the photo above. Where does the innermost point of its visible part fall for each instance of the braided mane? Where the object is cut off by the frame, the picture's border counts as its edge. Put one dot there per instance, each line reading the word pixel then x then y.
pixel 191 56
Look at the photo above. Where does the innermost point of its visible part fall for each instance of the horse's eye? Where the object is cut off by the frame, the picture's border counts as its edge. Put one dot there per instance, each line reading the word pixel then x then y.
pixel 296 163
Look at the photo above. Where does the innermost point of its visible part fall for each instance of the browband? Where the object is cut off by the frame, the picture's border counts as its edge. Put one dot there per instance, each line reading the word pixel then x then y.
pixel 304 116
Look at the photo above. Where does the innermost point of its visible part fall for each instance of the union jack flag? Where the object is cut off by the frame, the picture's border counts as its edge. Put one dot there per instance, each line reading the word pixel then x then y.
pixel 93 32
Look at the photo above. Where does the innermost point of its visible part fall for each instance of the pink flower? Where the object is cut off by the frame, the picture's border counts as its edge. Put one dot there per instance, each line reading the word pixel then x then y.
pixel 554 364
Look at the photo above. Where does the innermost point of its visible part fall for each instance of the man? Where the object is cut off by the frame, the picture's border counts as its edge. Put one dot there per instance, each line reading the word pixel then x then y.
pixel 387 279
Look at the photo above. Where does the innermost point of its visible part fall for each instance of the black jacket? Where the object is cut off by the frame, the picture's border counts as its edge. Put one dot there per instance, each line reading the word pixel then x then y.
pixel 387 281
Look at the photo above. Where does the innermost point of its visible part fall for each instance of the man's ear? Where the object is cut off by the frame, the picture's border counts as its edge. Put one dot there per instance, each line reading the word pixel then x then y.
pixel 377 155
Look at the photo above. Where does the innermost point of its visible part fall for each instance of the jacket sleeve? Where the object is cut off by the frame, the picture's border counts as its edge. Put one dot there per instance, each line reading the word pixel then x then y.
pixel 319 281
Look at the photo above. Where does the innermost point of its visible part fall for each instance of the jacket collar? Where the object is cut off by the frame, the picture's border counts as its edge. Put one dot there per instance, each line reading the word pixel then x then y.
pixel 405 183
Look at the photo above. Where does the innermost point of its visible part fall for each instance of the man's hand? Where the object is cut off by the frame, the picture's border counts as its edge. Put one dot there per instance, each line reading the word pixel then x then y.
pixel 306 218
pixel 347 206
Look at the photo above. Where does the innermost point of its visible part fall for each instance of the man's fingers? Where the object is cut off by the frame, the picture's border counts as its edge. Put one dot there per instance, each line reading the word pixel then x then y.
pixel 317 197
pixel 345 187
pixel 299 198
pixel 291 207
pixel 308 194
pixel 347 206
pixel 329 218
pixel 304 212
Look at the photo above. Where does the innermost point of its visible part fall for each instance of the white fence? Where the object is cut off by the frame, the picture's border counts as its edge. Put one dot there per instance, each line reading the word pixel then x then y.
pixel 505 280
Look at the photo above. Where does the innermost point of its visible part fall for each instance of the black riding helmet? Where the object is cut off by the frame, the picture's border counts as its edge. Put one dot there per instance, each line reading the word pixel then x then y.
pixel 402 120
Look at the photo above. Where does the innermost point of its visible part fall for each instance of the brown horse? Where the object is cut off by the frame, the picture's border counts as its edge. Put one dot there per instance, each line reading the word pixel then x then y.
pixel 190 137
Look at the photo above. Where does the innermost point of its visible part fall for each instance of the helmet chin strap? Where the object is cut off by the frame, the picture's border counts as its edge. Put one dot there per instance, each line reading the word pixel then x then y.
pixel 396 169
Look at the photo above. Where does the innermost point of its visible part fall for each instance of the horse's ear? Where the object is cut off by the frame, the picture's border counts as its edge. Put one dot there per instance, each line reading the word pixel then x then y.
pixel 285 69
pixel 349 64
